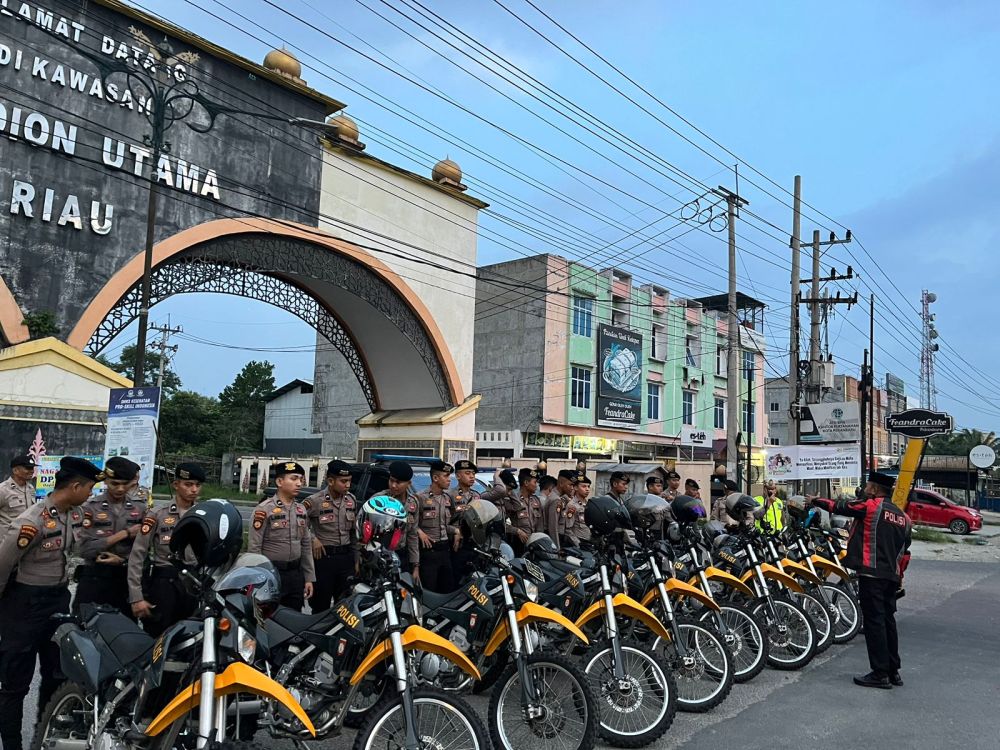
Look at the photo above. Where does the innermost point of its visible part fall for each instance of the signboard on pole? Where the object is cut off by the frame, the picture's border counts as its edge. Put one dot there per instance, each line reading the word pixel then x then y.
pixel 133 417
pixel 919 423
pixel 619 385
pixel 838 422
pixel 696 438
pixel 982 456
pixel 895 384
pixel 814 462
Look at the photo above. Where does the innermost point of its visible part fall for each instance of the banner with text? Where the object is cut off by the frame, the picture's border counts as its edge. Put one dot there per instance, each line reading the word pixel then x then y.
pixel 619 388
pixel 814 462
pixel 838 422
pixel 45 474
pixel 133 417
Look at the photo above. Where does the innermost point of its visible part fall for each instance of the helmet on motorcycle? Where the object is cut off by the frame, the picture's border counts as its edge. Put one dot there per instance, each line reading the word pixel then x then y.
pixel 383 520
pixel 605 515
pixel 255 576
pixel 481 522
pixel 541 545
pixel 674 531
pixel 714 529
pixel 738 505
pixel 798 507
pixel 648 510
pixel 687 509
pixel 213 532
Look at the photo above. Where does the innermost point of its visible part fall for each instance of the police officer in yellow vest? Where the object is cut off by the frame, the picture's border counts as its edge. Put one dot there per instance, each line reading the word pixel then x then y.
pixel 774 508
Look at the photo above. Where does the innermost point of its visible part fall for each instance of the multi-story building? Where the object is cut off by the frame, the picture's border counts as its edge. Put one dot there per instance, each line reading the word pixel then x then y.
pixel 576 362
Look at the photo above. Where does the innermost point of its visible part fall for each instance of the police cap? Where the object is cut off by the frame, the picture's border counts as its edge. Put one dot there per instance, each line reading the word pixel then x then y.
pixel 71 466
pixel 569 474
pixel 885 481
pixel 527 473
pixel 507 477
pixel 619 475
pixel 400 471
pixel 288 467
pixel 189 471
pixel 441 466
pixel 673 475
pixel 583 479
pixel 464 465
pixel 338 468
pixel 120 468
pixel 731 485
pixel 25 461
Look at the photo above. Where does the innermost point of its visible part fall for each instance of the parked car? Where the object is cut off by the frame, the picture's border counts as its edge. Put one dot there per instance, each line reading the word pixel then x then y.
pixel 928 508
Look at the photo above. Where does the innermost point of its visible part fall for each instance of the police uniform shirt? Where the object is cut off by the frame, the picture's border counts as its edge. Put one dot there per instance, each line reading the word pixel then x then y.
pixel 432 515
pixel 280 532
pixel 460 498
pixel 555 516
pixel 103 518
pixel 14 500
pixel 525 514
pixel 333 519
pixel 37 544
pixel 497 494
pixel 576 527
pixel 153 542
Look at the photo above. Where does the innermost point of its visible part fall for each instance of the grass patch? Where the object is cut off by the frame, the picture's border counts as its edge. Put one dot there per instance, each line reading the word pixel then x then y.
pixel 924 534
pixel 210 490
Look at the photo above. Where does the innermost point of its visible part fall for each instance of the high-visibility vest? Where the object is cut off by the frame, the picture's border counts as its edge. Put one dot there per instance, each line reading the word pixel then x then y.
pixel 773 515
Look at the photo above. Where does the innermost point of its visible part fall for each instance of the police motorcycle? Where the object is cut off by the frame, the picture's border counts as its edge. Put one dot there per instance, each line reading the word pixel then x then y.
pixel 790 633
pixel 742 632
pixel 635 688
pixel 363 645
pixel 541 697
pixel 695 652
pixel 839 598
pixel 187 688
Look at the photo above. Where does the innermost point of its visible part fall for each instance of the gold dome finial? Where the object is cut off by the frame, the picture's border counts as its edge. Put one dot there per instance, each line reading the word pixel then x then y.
pixel 448 173
pixel 347 131
pixel 284 62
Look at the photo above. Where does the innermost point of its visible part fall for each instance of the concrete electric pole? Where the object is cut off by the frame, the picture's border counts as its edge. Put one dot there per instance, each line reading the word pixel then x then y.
pixel 793 337
pixel 165 333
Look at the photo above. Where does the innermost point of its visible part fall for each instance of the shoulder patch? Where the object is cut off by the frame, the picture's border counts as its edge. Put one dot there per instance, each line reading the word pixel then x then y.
pixel 25 535
pixel 258 519
pixel 147 525
pixel 307 504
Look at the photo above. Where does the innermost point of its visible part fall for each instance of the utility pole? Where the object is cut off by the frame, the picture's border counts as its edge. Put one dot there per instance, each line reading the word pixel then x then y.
pixel 793 342
pixel 733 203
pixel 165 333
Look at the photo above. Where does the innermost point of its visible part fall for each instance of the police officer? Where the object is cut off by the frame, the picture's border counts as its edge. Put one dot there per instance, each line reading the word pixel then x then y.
pixel 673 488
pixel 37 544
pixel 280 532
pixel 524 510
pixel 154 590
pixel 556 507
pixel 719 512
pixel 774 508
pixel 434 533
pixel 692 489
pixel 111 522
pixel 18 492
pixel 619 486
pixel 333 519
pixel 577 530
pixel 462 495
pixel 400 486
pixel 654 485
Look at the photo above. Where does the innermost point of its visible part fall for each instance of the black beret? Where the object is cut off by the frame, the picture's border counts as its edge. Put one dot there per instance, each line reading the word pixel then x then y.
pixel 691 483
pixel 616 475
pixel 288 467
pixel 882 480
pixel 528 474
pixel 547 480
pixel 655 479
pixel 673 475
pixel 71 466
pixel 582 479
pixel 189 471
pixel 569 474
pixel 338 468
pixel 441 466
pixel 119 467
pixel 465 464
pixel 507 477
pixel 400 471
pixel 26 461
pixel 731 485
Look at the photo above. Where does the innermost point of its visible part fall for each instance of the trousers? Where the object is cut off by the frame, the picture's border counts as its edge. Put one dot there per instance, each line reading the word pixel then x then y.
pixel 293 584
pixel 171 603
pixel 332 573
pixel 878 607
pixel 435 568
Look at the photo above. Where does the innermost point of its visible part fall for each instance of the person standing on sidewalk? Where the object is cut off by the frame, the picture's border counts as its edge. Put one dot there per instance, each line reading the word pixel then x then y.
pixel 333 516
pixel 876 548
pixel 17 494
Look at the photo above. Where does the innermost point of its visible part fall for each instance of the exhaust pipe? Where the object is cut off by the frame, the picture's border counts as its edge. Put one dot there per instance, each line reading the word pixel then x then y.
pixel 245 707
pixel 65 744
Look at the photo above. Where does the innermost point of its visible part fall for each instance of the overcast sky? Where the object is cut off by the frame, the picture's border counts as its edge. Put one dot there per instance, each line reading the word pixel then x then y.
pixel 888 110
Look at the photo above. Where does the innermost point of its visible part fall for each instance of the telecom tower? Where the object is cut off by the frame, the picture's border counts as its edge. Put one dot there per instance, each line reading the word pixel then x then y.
pixel 928 348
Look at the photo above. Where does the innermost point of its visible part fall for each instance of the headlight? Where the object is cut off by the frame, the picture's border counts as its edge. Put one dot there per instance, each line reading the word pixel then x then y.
pixel 531 590
pixel 246 645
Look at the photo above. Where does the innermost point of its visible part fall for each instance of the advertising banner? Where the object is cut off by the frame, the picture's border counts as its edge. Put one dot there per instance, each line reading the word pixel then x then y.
pixel 45 474
pixel 895 384
pixel 838 422
pixel 133 416
pixel 619 387
pixel 814 462
pixel 919 423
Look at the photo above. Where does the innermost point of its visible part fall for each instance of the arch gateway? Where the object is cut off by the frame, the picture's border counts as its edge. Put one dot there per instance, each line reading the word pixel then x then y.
pixel 254 207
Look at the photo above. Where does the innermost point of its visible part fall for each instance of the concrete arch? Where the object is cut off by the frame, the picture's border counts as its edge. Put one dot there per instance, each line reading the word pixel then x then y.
pixel 399 340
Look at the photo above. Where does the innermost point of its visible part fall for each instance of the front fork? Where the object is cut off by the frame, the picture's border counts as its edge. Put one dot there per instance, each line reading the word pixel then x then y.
pixel 412 742
pixel 612 625
pixel 207 716
pixel 520 649
pixel 668 609
pixel 760 583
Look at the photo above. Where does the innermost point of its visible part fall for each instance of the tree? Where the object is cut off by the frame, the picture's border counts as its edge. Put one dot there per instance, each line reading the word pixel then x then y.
pixel 41 324
pixel 242 405
pixel 126 366
pixel 961 442
pixel 189 423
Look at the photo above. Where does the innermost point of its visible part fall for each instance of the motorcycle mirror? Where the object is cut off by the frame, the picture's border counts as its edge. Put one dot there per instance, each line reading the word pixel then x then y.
pixel 506 551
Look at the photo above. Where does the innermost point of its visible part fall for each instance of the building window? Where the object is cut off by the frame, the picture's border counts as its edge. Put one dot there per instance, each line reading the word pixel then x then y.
pixel 693 356
pixel 720 413
pixel 658 345
pixel 580 382
pixel 583 316
pixel 720 361
pixel 775 406
pixel 653 401
pixel 687 408
pixel 748 365
pixel 619 311
pixel 773 441
pixel 749 418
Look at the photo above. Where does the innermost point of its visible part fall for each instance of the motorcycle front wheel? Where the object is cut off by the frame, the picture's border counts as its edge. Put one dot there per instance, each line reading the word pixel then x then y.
pixel 845 612
pixel 815 608
pixel 442 721
pixel 791 636
pixel 638 709
pixel 564 701
pixel 744 637
pixel 704 674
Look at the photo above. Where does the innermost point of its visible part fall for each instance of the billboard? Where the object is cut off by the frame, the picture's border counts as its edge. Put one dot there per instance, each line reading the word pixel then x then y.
pixel 814 462
pixel 696 437
pixel 919 423
pixel 133 416
pixel 894 384
pixel 619 385
pixel 838 422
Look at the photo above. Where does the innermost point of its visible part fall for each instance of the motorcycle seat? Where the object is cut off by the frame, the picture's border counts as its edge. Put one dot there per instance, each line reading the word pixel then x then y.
pixel 295 621
pixel 125 640
pixel 433 600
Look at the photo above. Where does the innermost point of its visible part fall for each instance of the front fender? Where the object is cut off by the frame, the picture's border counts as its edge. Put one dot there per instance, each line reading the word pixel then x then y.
pixel 728 579
pixel 829 567
pixel 237 678
pixel 419 639
pixel 802 571
pixel 529 613
pixel 630 608
pixel 680 589
pixel 774 574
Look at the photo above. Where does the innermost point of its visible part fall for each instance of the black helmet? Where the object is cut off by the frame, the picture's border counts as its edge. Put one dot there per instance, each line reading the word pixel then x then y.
pixel 481 521
pixel 713 530
pixel 738 505
pixel 382 519
pixel 541 545
pixel 797 507
pixel 648 510
pixel 687 509
pixel 255 576
pixel 212 530
pixel 605 515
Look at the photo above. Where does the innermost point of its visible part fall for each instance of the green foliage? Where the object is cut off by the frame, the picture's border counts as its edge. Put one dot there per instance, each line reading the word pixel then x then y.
pixel 189 423
pixel 41 324
pixel 210 489
pixel 959 443
pixel 242 405
pixel 924 534
pixel 126 366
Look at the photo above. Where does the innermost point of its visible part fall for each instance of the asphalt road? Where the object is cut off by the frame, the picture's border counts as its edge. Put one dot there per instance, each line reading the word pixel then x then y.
pixel 948 625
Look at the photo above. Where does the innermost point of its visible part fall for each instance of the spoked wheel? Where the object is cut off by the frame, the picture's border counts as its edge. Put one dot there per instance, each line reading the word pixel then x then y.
pixel 442 722
pixel 369 693
pixel 66 717
pixel 791 636
pixel 640 707
pixel 819 615
pixel 744 637
pixel 704 674
pixel 844 611
pixel 562 713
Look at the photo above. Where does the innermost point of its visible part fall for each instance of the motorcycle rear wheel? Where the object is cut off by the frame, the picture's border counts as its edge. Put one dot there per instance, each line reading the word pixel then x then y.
pixel 443 721
pixel 67 716
pixel 747 645
pixel 815 608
